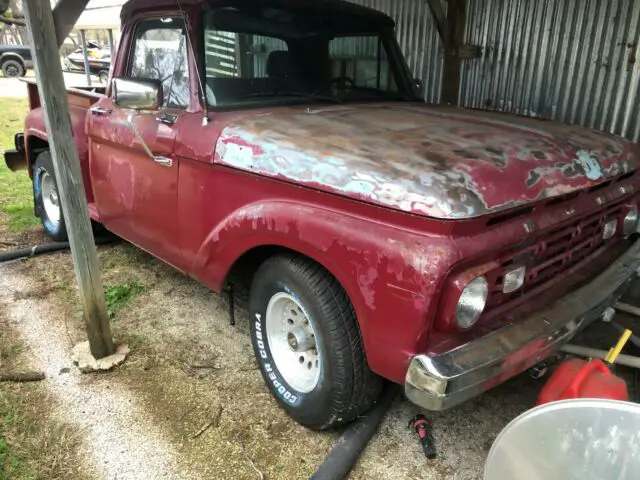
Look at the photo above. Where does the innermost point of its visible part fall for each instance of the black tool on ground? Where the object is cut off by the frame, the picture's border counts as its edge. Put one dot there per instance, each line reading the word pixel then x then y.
pixel 232 310
pixel 422 427
pixel 538 371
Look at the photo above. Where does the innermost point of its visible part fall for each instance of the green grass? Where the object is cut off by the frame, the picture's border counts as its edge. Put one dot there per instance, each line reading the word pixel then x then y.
pixel 12 463
pixel 16 195
pixel 120 294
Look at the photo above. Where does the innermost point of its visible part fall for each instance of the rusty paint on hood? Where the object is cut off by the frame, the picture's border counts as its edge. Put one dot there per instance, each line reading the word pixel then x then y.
pixel 437 161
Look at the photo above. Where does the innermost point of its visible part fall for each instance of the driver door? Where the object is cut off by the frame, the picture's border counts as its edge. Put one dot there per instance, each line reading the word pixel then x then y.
pixel 136 195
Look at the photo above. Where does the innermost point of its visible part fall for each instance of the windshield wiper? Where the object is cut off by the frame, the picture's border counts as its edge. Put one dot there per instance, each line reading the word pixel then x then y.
pixel 312 96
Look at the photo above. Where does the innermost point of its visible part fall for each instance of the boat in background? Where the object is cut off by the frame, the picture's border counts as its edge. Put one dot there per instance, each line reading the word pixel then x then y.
pixel 99 59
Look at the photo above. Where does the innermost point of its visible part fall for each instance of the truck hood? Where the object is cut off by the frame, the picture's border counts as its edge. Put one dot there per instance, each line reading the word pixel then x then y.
pixel 441 162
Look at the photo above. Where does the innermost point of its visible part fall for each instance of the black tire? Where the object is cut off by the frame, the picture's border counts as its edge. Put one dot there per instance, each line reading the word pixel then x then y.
pixel 13 68
pixel 44 166
pixel 346 386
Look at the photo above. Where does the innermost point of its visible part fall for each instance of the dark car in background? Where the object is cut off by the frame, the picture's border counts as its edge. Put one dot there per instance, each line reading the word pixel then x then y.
pixel 15 60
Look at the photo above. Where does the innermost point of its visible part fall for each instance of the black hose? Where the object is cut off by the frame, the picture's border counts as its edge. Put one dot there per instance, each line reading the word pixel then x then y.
pixel 47 248
pixel 353 441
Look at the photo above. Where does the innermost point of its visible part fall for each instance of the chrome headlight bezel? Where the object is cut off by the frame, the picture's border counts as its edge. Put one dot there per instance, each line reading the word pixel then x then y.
pixel 630 221
pixel 472 302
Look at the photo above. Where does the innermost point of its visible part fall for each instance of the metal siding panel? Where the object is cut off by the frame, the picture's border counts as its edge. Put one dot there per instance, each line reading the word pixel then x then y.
pixel 570 60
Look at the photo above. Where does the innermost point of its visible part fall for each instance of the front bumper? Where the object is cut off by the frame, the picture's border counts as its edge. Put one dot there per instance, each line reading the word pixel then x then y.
pixel 16 159
pixel 442 381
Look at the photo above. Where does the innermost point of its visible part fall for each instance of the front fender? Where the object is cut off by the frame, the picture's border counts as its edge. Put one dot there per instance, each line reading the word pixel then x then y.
pixel 35 128
pixel 389 273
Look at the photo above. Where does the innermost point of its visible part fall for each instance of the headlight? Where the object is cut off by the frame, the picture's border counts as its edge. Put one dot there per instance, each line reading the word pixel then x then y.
pixel 630 222
pixel 472 302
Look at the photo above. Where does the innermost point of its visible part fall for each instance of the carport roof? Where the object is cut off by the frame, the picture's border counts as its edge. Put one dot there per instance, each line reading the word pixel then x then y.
pixel 100 15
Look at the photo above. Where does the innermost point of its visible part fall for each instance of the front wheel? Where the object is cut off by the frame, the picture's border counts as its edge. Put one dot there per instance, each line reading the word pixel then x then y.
pixel 47 200
pixel 13 69
pixel 308 345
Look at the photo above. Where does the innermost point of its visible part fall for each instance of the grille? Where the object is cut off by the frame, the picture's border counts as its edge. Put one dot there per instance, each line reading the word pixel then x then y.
pixel 551 255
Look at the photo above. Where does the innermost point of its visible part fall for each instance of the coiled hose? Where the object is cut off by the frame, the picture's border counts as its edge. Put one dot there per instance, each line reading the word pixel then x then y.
pixel 48 248
pixel 353 441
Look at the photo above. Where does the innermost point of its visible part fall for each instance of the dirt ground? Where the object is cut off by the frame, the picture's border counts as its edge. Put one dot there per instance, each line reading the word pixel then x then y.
pixel 196 381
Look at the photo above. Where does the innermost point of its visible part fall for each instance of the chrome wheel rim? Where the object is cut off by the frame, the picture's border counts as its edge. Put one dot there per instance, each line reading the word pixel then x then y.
pixel 12 71
pixel 292 341
pixel 50 199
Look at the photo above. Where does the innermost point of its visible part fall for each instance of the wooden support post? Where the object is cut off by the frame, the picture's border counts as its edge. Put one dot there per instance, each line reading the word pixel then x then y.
pixel 111 46
pixel 437 10
pixel 65 16
pixel 83 43
pixel 53 98
pixel 456 18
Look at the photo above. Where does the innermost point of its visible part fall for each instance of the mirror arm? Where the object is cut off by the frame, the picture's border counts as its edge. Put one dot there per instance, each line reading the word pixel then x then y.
pixel 129 123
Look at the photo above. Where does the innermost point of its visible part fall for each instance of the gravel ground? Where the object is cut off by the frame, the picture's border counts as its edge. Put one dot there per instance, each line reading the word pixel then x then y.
pixel 185 323
pixel 188 364
pixel 120 440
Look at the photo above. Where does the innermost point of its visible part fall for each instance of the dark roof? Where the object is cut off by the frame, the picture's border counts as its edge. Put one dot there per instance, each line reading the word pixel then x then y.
pixel 133 6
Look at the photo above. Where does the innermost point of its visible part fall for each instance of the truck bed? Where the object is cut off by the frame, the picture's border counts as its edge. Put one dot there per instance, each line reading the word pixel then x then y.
pixel 78 96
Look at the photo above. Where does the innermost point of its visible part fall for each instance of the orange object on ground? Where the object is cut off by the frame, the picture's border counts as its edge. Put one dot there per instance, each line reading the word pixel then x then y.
pixel 577 378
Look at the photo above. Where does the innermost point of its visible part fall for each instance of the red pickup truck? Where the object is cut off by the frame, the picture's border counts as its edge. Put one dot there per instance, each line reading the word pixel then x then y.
pixel 440 248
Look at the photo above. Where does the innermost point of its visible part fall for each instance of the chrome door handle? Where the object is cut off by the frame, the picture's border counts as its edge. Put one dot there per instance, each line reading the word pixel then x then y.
pixel 103 112
pixel 164 161
pixel 167 118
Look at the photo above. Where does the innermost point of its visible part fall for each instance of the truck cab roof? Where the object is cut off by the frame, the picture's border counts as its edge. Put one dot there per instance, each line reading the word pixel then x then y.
pixel 132 7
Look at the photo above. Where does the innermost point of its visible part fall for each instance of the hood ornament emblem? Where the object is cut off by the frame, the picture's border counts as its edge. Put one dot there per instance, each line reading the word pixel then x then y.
pixel 588 161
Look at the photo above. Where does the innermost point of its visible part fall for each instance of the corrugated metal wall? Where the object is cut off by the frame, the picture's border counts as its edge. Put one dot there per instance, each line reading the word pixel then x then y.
pixel 568 60
pixel 418 38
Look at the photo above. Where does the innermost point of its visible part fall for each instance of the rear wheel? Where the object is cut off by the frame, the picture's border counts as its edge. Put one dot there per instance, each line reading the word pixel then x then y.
pixel 307 343
pixel 103 75
pixel 47 200
pixel 13 68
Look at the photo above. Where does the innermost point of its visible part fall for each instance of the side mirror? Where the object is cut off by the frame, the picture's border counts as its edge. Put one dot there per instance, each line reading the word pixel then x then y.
pixel 137 94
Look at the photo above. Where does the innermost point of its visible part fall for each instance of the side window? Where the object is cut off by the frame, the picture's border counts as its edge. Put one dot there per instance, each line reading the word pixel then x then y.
pixel 239 55
pixel 240 66
pixel 160 52
pixel 364 60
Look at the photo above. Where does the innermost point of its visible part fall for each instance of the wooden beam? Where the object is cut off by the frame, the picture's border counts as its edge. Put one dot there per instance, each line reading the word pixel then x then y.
pixel 437 10
pixel 65 16
pixel 456 19
pixel 11 21
pixel 53 98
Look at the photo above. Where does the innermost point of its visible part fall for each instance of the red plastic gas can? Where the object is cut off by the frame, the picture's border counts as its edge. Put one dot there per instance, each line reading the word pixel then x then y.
pixel 577 378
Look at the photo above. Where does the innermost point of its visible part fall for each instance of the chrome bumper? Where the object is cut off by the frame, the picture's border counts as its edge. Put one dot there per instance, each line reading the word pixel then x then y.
pixel 442 381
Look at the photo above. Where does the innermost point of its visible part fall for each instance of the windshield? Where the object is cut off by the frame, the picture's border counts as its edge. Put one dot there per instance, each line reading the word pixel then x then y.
pixel 257 53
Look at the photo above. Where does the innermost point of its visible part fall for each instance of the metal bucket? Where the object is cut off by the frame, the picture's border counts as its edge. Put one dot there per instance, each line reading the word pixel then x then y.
pixel 582 439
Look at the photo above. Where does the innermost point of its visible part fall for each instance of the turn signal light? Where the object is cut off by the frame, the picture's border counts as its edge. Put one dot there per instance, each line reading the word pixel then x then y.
pixel 609 229
pixel 514 279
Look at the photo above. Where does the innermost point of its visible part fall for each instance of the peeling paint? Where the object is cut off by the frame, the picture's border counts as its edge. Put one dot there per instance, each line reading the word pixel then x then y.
pixel 435 161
